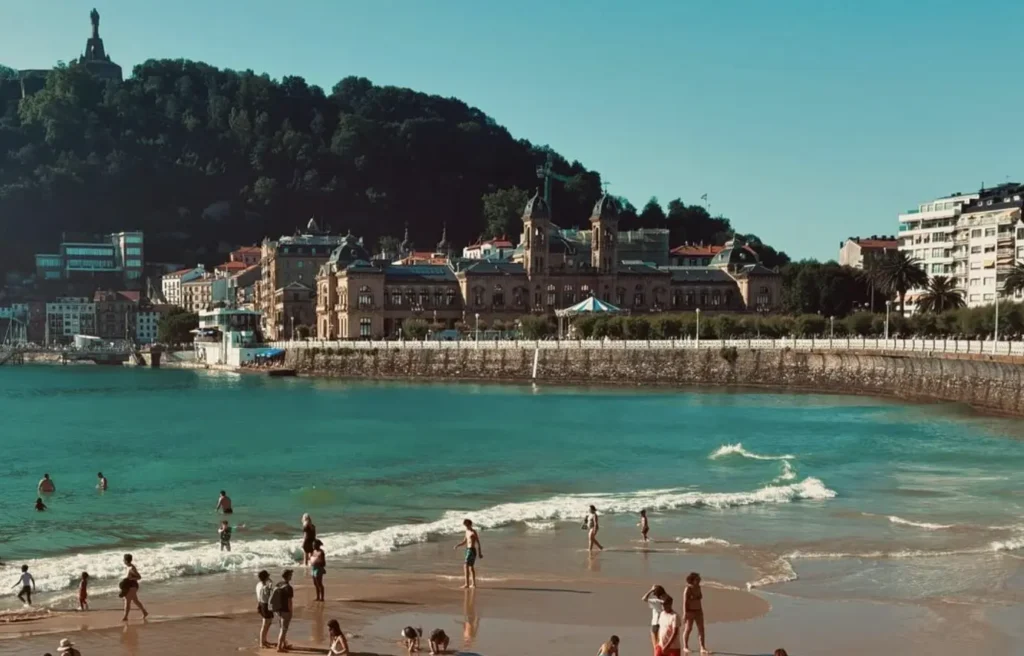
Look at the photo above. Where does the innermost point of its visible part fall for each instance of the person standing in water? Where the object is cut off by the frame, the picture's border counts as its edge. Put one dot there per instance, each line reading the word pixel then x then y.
pixel 318 562
pixel 27 585
pixel 644 526
pixel 46 484
pixel 83 592
pixel 225 535
pixel 308 537
pixel 693 611
pixel 592 526
pixel 130 588
pixel 224 503
pixel 264 591
pixel 102 485
pixel 474 550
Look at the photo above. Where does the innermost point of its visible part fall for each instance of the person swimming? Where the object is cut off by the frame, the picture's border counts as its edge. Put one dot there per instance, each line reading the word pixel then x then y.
pixel 224 503
pixel 46 484
pixel 40 506
pixel 102 485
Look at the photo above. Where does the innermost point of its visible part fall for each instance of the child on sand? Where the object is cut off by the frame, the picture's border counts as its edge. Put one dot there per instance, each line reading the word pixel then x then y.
pixel 412 638
pixel 610 648
pixel 439 641
pixel 339 645
pixel 644 526
pixel 83 592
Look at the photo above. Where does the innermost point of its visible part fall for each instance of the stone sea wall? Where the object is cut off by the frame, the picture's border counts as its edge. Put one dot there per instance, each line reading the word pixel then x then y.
pixel 989 382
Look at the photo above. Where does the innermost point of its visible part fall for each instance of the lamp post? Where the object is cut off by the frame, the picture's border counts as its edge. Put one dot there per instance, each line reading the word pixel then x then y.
pixel 293 328
pixel 888 305
pixel 995 336
pixel 477 337
pixel 698 327
pixel 831 328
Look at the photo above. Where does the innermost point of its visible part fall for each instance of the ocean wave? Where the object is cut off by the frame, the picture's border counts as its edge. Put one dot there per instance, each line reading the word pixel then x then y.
pixel 703 542
pixel 880 555
pixel 925 525
pixel 540 526
pixel 787 474
pixel 737 449
pixel 1012 544
pixel 171 561
pixel 781 572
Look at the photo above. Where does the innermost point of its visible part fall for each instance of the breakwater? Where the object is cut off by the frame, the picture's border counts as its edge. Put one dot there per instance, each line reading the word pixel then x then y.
pixel 990 382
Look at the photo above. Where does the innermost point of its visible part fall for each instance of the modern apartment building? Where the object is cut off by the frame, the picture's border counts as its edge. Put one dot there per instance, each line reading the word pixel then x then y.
pixel 928 234
pixel 117 257
pixel 69 316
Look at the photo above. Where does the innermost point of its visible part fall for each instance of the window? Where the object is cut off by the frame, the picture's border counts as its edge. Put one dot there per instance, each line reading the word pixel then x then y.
pixel 537 297
pixel 975 249
pixel 703 298
pixel 438 297
pixel 688 299
pixel 396 298
pixel 716 298
pixel 365 298
pixel 638 296
pixel 936 252
pixel 365 327
pixel 517 297
pixel 974 298
pixel 677 298
pixel 478 296
pixel 568 295
pixel 585 291
pixel 975 266
pixel 990 232
pixel 424 297
pixel 764 297
pixel 498 297
pixel 976 232
pixel 620 296
pixel 936 268
pixel 986 281
pixel 989 297
pixel 98 252
pixel 449 298
pixel 990 249
pixel 1020 233
pixel 410 296
pixel 299 264
pixel 134 250
pixel 552 296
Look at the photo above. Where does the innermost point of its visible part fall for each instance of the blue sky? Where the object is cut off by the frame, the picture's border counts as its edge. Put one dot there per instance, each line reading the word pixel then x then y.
pixel 805 121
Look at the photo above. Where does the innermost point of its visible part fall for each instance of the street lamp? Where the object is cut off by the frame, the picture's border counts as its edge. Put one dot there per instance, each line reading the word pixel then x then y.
pixel 293 327
pixel 477 315
pixel 888 305
pixel 831 327
pixel 698 327
pixel 995 337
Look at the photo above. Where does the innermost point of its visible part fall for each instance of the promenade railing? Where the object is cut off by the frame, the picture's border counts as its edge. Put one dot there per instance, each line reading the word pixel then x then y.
pixel 966 346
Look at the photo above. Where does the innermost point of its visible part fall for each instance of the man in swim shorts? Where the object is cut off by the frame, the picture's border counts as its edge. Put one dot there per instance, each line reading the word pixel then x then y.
pixel 473 551
pixel 224 503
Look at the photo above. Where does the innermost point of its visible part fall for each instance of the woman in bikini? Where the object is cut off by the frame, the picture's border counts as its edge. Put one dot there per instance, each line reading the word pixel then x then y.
pixel 339 645
pixel 130 588
pixel 592 528
pixel 308 537
pixel 693 612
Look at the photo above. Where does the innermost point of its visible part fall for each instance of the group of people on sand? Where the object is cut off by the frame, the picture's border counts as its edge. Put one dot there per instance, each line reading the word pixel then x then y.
pixel 665 620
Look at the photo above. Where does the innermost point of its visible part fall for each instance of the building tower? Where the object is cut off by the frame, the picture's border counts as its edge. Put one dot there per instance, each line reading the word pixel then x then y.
pixel 406 248
pixel 443 247
pixel 536 236
pixel 604 222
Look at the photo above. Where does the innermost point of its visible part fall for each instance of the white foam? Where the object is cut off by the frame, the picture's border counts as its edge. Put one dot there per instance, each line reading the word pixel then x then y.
pixel 1012 544
pixel 541 526
pixel 703 542
pixel 737 449
pixel 787 474
pixel 925 525
pixel 783 572
pixel 878 555
pixel 197 558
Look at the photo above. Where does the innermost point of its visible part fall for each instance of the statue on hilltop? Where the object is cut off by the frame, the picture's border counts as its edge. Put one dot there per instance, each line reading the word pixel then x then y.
pixel 94 16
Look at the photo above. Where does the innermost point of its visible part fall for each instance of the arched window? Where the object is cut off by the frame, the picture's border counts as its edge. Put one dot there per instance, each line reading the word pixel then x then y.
pixel 638 296
pixel 517 296
pixel 498 297
pixel 584 291
pixel 552 296
pixel 396 297
pixel 365 298
pixel 568 295
pixel 478 296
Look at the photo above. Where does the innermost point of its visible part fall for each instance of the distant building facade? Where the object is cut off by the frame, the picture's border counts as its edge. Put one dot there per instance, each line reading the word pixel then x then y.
pixel 499 248
pixel 170 284
pixel 859 252
pixel 69 316
pixel 694 255
pixel 117 257
pixel 116 314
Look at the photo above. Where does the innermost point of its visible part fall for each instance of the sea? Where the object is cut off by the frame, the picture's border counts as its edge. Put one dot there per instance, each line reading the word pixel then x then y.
pixel 820 495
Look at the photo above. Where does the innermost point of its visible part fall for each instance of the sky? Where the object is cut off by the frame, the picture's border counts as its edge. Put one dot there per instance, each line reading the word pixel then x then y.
pixel 804 121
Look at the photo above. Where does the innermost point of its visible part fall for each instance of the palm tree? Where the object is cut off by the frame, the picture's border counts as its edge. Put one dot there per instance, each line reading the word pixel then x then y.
pixel 940 295
pixel 1014 280
pixel 897 273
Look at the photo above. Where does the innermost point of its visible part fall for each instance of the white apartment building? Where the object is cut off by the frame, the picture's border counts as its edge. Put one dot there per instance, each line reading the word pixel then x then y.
pixel 69 316
pixel 928 234
pixel 170 284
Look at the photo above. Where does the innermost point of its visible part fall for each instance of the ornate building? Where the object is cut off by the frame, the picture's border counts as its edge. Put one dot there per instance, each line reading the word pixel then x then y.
pixel 357 298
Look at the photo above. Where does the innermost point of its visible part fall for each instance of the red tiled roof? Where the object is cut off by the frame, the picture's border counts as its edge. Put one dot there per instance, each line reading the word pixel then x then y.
pixel 696 250
pixel 887 244
pixel 232 266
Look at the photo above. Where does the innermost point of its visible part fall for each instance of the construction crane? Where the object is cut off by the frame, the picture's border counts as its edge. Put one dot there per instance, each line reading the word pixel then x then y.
pixel 547 173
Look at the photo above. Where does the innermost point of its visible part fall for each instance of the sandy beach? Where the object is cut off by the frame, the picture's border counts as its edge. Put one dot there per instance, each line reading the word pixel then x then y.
pixel 534 595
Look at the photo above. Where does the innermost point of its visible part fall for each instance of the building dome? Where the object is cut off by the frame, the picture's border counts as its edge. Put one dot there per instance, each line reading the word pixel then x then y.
pixel 735 254
pixel 350 250
pixel 537 208
pixel 606 208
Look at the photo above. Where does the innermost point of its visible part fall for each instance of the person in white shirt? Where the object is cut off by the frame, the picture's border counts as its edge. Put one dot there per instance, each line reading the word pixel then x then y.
pixel 655 598
pixel 264 590
pixel 668 631
pixel 28 584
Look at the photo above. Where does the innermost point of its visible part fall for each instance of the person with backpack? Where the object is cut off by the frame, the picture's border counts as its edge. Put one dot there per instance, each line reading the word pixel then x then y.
pixel 264 591
pixel 281 604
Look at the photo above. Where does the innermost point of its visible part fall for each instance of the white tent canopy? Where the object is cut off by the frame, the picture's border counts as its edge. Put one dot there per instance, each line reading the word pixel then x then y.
pixel 591 305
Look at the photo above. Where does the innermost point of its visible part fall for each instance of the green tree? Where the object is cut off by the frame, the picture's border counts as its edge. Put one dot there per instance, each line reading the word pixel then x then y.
pixel 415 329
pixel 176 327
pixel 897 273
pixel 502 208
pixel 940 295
pixel 534 327
pixel 1014 281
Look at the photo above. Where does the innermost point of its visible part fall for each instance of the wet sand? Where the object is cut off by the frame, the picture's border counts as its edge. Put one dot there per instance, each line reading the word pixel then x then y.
pixel 536 594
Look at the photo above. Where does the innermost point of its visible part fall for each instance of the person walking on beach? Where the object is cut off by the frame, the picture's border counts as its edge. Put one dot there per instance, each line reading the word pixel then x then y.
pixel 610 648
pixel 224 503
pixel 281 602
pixel 46 484
pixel 264 590
pixel 655 598
pixel 102 485
pixel 592 526
pixel 27 585
pixel 644 526
pixel 339 645
pixel 668 631
pixel 67 648
pixel 83 592
pixel 318 561
pixel 474 550
pixel 130 588
pixel 40 506
pixel 693 611
pixel 308 537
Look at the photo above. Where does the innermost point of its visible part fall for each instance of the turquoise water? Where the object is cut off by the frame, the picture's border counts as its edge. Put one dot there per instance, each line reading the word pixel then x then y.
pixel 806 483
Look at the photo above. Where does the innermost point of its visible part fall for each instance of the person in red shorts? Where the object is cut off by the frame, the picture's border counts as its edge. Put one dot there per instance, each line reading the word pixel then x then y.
pixel 668 631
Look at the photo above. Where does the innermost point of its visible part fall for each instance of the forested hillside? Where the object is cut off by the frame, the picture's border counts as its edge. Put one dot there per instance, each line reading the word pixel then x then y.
pixel 200 158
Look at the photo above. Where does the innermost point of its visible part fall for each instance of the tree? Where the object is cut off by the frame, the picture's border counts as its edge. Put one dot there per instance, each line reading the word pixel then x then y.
pixel 533 327
pixel 415 329
pixel 303 331
pixel 651 216
pixel 388 246
pixel 1014 281
pixel 940 295
pixel 175 327
pixel 897 273
pixel 502 208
